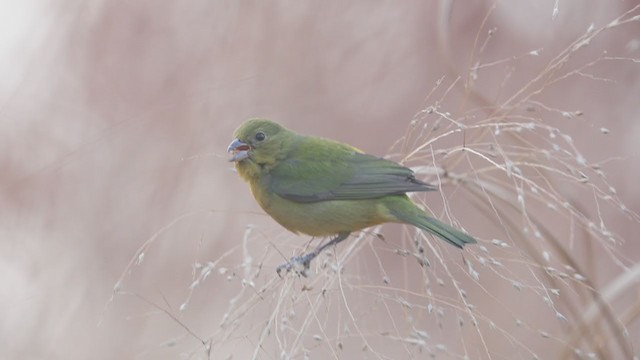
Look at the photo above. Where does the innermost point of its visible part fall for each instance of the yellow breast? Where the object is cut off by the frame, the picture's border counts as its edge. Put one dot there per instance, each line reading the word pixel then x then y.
pixel 323 218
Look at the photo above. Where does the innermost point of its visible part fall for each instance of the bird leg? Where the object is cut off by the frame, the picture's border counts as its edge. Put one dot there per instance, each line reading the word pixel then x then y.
pixel 300 264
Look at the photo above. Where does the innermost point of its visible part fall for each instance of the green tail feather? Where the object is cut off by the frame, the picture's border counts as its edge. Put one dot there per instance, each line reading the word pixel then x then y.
pixel 405 211
pixel 446 232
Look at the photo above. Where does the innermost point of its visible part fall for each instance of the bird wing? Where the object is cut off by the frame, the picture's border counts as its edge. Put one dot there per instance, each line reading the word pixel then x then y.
pixel 320 170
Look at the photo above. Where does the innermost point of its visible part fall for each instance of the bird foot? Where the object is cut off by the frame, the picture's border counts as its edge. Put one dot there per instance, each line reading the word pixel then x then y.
pixel 299 264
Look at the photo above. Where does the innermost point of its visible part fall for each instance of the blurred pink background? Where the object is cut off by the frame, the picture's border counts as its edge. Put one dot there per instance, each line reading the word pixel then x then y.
pixel 115 117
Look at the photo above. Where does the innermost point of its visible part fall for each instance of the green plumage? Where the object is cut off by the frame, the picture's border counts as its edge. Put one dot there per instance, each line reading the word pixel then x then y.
pixel 321 170
pixel 321 187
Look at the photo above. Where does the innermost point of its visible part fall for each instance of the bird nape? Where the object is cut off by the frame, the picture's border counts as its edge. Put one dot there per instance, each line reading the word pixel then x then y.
pixel 321 187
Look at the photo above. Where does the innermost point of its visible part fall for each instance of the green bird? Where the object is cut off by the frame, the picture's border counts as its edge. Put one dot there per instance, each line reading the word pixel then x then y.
pixel 321 187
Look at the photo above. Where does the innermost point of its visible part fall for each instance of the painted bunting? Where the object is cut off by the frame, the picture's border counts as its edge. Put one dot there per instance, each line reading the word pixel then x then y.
pixel 321 187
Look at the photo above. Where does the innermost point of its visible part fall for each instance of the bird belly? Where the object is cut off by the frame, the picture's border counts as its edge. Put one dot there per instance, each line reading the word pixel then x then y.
pixel 325 218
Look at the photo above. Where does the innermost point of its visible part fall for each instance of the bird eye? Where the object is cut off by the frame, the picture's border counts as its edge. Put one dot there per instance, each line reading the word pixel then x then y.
pixel 260 136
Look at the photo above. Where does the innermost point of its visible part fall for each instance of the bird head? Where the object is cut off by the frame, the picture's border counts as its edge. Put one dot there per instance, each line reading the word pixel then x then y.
pixel 259 141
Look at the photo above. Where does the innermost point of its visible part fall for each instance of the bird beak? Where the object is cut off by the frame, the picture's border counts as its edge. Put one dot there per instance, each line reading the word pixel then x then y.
pixel 239 149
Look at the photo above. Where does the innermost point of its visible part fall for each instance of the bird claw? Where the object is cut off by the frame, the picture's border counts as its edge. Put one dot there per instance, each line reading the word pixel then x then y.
pixel 299 264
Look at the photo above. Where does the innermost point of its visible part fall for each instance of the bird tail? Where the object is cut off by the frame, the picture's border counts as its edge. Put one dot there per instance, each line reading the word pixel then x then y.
pixel 406 212
pixel 444 231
